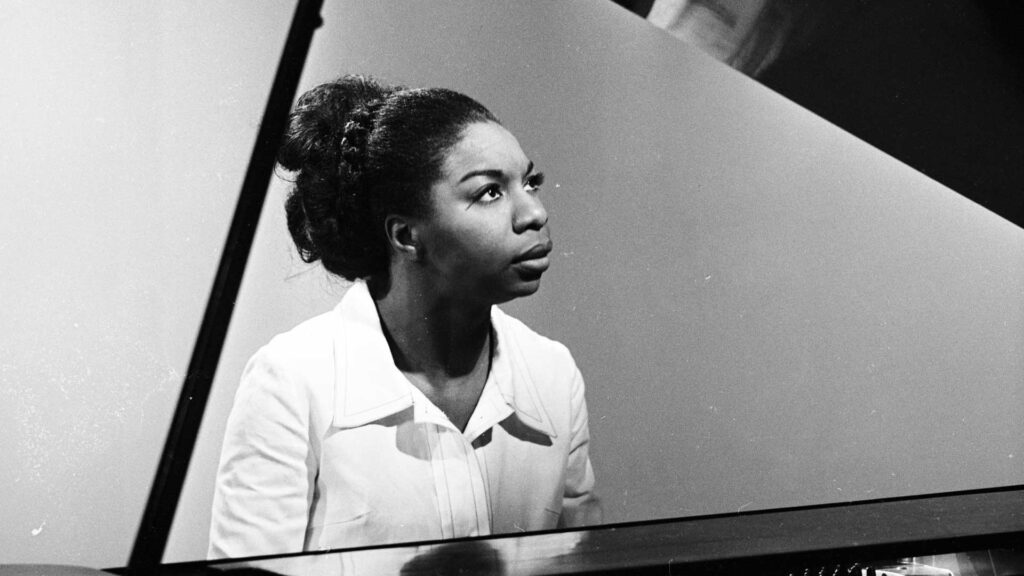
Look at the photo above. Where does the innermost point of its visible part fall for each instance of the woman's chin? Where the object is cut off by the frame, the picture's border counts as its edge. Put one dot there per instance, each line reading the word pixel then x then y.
pixel 527 287
pixel 518 289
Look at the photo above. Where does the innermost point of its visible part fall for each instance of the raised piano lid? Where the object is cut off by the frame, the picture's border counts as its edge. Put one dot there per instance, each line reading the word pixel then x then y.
pixel 843 250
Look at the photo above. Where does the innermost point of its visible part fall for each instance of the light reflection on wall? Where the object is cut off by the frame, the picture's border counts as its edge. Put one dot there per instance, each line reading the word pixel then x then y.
pixel 746 34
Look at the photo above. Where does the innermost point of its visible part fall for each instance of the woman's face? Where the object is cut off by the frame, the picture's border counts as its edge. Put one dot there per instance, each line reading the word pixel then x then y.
pixel 486 238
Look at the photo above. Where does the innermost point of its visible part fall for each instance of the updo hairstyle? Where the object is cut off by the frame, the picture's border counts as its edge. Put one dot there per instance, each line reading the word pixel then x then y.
pixel 362 150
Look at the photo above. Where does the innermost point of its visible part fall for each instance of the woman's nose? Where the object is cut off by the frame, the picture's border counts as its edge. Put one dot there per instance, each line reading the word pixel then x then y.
pixel 529 213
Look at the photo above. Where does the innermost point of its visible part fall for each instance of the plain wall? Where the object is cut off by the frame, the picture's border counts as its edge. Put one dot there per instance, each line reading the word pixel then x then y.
pixel 125 129
pixel 768 312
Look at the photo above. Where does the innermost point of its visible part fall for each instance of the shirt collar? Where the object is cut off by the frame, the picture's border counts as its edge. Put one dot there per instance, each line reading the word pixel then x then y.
pixel 512 374
pixel 369 387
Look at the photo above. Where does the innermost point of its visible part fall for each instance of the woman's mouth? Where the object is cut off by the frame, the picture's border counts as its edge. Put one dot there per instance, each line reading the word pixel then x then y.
pixel 535 259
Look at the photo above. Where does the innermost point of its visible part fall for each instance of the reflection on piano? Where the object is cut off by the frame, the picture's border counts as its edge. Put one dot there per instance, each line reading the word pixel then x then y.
pixel 976 533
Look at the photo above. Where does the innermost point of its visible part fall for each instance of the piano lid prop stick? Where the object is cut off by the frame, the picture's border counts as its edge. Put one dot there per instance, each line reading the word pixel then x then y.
pixel 158 516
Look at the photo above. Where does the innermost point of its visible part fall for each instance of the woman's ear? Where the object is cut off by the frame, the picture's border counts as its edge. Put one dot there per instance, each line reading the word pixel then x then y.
pixel 401 233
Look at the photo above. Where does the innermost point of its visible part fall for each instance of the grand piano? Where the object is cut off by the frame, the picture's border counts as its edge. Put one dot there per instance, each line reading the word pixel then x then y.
pixel 932 532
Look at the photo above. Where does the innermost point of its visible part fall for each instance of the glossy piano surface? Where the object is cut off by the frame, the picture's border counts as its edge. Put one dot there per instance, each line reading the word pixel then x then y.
pixel 978 533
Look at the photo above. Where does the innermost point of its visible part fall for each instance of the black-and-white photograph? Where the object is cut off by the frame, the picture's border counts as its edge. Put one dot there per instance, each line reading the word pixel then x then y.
pixel 420 287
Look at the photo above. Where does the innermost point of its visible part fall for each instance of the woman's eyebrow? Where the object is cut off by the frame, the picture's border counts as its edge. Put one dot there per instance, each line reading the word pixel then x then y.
pixel 491 172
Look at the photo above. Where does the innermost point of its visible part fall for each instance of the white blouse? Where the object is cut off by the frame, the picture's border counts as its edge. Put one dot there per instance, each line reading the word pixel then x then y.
pixel 329 446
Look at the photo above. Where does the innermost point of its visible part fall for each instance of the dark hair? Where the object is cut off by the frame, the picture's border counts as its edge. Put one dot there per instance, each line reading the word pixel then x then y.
pixel 362 150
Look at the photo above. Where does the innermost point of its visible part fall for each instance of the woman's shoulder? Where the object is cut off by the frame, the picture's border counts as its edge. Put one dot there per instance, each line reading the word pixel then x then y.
pixel 535 347
pixel 308 344
pixel 295 368
pixel 544 366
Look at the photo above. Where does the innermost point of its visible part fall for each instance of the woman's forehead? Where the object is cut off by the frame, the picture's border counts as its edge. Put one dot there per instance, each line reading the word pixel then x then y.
pixel 485 146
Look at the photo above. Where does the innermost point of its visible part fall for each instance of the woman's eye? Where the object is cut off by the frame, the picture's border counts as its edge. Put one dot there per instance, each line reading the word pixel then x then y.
pixel 490 193
pixel 534 182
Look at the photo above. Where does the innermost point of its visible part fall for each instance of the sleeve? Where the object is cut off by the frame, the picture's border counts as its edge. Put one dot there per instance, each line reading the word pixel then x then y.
pixel 267 465
pixel 580 507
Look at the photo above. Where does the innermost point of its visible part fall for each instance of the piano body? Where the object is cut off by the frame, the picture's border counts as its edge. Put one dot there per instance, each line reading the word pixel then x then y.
pixel 966 534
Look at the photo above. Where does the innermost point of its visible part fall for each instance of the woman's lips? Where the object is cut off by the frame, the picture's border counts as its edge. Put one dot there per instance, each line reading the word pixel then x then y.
pixel 535 259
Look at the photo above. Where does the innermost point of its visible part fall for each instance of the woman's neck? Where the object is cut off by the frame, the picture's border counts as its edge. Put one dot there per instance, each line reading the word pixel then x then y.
pixel 440 338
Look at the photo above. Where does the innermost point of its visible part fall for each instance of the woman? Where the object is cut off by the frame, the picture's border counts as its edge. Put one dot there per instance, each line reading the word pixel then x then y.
pixel 416 409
